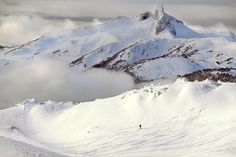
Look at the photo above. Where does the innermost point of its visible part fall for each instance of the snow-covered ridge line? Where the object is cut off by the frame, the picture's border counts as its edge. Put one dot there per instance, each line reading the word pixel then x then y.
pixel 179 119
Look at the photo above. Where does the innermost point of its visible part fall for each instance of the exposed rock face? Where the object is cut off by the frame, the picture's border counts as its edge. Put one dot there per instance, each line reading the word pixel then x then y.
pixel 144 16
pixel 222 74
pixel 164 21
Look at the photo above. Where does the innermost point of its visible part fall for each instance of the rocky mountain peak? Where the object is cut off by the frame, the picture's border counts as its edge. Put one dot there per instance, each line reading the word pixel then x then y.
pixel 156 14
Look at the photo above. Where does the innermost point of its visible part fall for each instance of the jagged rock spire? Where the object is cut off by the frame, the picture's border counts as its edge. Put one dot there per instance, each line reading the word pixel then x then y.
pixel 162 8
pixel 156 13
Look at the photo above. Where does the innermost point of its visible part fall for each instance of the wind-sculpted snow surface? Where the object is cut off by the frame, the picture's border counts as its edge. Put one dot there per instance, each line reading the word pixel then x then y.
pixel 179 119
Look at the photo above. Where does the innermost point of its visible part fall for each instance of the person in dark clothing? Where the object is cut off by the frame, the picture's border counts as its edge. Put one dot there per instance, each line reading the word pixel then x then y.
pixel 140 126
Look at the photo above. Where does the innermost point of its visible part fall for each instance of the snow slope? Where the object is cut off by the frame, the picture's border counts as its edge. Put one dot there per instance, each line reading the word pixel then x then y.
pixel 13 148
pixel 180 119
pixel 72 43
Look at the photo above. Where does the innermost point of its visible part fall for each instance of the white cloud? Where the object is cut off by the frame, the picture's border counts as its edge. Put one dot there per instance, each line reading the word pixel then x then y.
pixel 18 29
pixel 34 79
pixel 221 28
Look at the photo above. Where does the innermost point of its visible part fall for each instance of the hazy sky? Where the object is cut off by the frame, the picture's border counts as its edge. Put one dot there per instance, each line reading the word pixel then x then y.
pixel 202 12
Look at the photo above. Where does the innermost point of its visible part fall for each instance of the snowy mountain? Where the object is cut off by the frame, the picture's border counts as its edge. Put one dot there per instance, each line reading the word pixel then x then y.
pixel 148 47
pixel 181 118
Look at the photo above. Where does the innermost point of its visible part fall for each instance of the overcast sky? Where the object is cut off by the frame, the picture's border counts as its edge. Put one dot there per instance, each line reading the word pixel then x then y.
pixel 202 12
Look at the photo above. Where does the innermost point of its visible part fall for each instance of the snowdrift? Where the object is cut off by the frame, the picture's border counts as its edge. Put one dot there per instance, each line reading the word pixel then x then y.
pixel 179 119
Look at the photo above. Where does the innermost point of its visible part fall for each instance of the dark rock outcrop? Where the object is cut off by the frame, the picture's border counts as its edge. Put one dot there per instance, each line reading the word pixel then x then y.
pixel 1 47
pixel 144 16
pixel 221 74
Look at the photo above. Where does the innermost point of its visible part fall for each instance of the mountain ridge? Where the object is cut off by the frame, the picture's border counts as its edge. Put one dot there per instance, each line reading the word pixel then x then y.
pixel 129 44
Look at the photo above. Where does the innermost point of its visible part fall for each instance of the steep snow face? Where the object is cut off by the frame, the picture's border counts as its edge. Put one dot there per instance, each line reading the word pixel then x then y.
pixel 179 119
pixel 175 27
